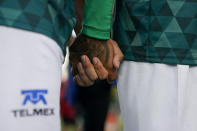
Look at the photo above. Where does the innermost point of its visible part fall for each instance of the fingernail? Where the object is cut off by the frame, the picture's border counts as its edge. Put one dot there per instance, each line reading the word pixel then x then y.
pixel 83 58
pixel 95 61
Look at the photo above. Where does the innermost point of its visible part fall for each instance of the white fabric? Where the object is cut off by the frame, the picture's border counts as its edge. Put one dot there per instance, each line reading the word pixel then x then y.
pixel 29 61
pixel 158 97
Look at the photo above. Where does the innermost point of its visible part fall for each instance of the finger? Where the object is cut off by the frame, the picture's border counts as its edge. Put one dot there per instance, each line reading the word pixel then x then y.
pixel 118 55
pixel 84 78
pixel 100 69
pixel 78 81
pixel 89 68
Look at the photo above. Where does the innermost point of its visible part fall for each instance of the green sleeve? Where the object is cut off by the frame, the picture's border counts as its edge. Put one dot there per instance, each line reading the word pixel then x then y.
pixel 98 18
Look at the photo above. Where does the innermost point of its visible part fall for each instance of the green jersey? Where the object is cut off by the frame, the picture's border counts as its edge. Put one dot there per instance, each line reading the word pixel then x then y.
pixel 160 31
pixel 53 18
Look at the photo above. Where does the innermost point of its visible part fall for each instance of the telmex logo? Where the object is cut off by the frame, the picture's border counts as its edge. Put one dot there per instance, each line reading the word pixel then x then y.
pixel 34 96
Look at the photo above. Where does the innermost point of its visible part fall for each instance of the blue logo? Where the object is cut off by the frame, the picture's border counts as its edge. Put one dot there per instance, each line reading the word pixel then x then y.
pixel 34 96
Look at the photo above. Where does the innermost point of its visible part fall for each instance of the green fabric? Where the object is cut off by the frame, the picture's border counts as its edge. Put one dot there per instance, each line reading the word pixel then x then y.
pixel 53 18
pixel 159 31
pixel 98 18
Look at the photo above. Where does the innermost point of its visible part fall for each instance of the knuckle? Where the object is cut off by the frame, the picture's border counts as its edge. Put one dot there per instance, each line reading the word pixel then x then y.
pixel 81 73
pixel 93 78
pixel 104 76
pixel 87 83
pixel 90 83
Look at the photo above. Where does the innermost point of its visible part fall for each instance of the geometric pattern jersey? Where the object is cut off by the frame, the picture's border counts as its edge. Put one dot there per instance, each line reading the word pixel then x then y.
pixel 53 18
pixel 158 31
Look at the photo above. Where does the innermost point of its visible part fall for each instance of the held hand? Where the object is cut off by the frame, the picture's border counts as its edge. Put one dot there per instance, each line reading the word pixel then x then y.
pixel 89 72
pixel 102 49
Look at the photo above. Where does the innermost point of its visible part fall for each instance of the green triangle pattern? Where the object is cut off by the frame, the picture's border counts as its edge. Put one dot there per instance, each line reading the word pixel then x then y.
pixel 175 6
pixel 124 17
pixel 167 33
pixel 52 19
pixel 173 26
pixel 163 42
pixel 164 21
pixel 137 40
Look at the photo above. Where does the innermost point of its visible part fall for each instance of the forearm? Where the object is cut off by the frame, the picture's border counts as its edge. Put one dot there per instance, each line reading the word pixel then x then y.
pixel 97 20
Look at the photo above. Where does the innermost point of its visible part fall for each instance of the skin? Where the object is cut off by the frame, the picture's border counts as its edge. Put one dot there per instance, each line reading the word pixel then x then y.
pixel 89 72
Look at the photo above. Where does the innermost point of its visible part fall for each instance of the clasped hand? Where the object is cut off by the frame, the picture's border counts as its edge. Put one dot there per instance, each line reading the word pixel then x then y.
pixel 93 59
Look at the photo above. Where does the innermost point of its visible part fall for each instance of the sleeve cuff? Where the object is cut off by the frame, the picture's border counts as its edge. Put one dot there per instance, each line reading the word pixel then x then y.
pixel 95 33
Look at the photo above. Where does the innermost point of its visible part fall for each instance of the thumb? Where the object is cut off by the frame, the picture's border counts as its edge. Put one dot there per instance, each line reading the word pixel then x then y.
pixel 118 55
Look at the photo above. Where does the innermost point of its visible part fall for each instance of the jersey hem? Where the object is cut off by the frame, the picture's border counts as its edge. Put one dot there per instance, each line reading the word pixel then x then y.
pixel 42 30
pixel 168 60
